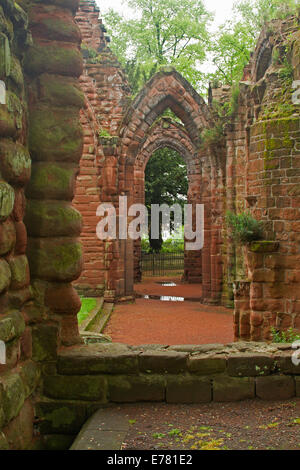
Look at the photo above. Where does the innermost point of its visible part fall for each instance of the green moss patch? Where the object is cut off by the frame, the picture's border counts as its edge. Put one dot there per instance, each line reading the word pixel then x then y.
pixel 55 134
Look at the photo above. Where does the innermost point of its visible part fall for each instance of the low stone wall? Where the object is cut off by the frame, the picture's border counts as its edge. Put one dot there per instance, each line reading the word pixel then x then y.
pixel 86 378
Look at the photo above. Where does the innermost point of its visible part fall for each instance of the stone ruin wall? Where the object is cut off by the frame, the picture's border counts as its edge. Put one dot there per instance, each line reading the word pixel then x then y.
pixel 263 156
pixel 106 91
pixel 42 144
pixel 40 140
pixel 254 169
pixel 15 388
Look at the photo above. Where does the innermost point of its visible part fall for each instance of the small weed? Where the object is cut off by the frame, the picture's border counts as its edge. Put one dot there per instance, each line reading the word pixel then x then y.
pixel 104 133
pixel 288 336
pixel 295 422
pixel 158 435
pixel 174 432
pixel 269 426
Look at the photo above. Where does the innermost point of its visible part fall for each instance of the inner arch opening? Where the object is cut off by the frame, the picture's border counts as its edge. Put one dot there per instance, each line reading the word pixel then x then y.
pixel 166 182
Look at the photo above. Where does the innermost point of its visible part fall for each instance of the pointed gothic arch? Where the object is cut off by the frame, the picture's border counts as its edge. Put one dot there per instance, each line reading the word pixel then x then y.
pixel 168 89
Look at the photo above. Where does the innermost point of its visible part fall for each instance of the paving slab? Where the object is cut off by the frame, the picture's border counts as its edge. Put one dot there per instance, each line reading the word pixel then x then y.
pixel 105 430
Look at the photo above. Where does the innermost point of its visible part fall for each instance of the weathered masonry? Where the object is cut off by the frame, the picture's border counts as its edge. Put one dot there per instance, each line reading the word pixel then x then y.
pixel 71 137
pixel 254 167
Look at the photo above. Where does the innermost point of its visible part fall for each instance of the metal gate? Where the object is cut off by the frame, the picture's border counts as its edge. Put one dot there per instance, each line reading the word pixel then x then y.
pixel 160 264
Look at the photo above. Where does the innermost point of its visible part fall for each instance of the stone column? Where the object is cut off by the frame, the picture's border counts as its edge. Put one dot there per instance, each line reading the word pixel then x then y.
pixel 52 65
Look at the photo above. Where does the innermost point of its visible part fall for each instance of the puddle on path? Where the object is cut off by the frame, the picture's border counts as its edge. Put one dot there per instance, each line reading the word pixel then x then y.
pixel 164 298
pixel 167 284
pixel 170 298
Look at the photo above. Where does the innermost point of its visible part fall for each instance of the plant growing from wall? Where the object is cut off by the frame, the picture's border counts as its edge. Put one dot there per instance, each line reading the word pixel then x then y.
pixel 234 41
pixel 90 55
pixel 245 228
pixel 288 336
pixel 104 134
pixel 286 73
pixel 222 111
pixel 212 136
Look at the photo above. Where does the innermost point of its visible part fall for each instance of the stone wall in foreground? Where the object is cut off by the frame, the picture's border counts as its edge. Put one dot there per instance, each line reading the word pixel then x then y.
pixel 88 377
pixel 40 146
pixel 19 376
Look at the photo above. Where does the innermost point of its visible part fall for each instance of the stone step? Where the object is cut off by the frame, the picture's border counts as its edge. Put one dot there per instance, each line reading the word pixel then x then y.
pixel 105 430
pixel 101 320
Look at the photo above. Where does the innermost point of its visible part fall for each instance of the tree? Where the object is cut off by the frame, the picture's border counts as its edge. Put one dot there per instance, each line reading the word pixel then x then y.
pixel 169 32
pixel 165 183
pixel 237 38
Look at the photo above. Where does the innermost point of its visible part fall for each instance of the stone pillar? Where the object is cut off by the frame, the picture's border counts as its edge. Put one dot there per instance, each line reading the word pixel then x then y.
pixel 16 328
pixel 52 65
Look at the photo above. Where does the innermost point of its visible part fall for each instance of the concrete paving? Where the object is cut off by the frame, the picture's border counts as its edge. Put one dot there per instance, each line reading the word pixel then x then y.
pixel 105 430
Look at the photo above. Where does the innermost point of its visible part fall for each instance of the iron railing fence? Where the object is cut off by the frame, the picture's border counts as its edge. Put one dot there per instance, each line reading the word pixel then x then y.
pixel 159 264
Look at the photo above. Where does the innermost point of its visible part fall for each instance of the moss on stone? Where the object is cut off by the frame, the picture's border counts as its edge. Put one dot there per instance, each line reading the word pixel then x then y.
pixel 3 442
pixel 66 255
pixel 55 134
pixel 15 108
pixel 76 387
pixel 44 342
pixel 13 395
pixel 52 218
pixel 7 122
pixel 15 162
pixel 55 259
pixel 16 74
pixel 12 326
pixel 7 236
pixel 61 417
pixel 19 271
pixel 61 91
pixel 5 56
pixel 51 181
pixel 30 375
pixel 263 246
pixel 17 298
pixel 61 29
pixel 58 441
pixel 5 275
pixel 6 25
pixel 7 199
pixel 62 59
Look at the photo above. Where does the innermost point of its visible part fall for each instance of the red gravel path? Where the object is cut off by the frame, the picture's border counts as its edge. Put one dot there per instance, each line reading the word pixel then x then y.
pixel 169 323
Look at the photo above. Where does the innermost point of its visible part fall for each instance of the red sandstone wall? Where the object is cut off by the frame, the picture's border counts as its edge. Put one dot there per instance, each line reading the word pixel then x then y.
pixel 106 90
pixel 265 178
pixel 16 407
pixel 40 140
pixel 255 168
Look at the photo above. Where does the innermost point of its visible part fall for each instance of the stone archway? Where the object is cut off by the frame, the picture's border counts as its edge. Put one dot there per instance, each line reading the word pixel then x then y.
pixel 168 89
pixel 168 133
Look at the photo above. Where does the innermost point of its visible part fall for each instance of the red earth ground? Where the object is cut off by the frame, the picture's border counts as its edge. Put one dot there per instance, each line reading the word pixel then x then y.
pixel 246 425
pixel 150 321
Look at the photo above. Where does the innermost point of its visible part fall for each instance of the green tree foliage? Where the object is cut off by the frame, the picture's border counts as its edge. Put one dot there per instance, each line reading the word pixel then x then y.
pixel 169 32
pixel 237 38
pixel 165 183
